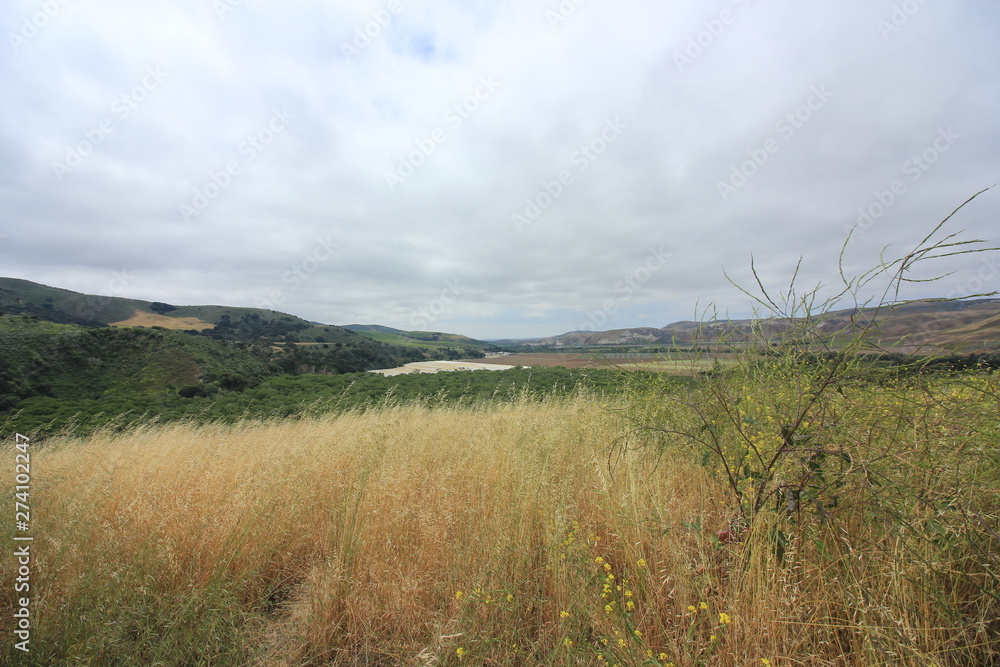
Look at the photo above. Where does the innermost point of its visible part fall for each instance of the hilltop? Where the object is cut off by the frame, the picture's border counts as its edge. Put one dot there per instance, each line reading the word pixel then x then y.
pixel 65 306
pixel 965 326
pixel 422 339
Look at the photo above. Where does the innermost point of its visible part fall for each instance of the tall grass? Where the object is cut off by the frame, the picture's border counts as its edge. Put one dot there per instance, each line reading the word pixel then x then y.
pixel 505 534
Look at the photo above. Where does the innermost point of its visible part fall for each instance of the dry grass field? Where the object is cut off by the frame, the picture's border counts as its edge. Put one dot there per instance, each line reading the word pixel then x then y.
pixel 525 533
pixel 143 319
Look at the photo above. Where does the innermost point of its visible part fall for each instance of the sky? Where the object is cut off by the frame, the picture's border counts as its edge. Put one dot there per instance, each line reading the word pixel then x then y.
pixel 500 169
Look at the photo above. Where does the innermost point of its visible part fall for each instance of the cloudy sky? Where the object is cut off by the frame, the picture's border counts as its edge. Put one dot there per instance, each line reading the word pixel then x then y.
pixel 505 168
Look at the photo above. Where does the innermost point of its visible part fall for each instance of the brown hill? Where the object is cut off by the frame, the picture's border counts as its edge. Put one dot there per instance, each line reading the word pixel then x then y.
pixel 917 326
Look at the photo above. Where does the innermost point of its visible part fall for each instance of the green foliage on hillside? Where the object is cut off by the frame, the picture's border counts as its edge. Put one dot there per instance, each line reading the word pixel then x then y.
pixel 69 363
pixel 286 395
pixel 63 306
pixel 66 306
pixel 447 346
pixel 55 376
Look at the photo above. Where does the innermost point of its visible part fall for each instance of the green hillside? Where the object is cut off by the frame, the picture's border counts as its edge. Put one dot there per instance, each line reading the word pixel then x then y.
pixel 421 339
pixel 65 306
pixel 58 376
pixel 52 372
pixel 61 361
pixel 61 305
pixel 373 327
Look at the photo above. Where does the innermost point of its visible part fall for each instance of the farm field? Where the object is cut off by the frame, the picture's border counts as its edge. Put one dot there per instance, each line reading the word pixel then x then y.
pixel 577 530
pixel 677 363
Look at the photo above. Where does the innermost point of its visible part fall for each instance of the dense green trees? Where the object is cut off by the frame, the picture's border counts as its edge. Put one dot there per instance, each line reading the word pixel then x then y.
pixel 55 376
pixel 286 395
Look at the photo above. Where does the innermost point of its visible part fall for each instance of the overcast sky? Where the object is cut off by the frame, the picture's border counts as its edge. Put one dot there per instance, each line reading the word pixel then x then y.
pixel 506 168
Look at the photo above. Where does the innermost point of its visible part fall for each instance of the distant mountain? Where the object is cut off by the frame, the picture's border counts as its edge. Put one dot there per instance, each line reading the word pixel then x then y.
pixel 962 326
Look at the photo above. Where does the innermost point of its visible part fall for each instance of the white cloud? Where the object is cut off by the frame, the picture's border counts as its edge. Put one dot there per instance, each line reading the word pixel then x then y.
pixel 356 116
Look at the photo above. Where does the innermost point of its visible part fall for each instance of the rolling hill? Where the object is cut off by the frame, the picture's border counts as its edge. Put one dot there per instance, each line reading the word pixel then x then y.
pixel 55 304
pixel 424 339
pixel 964 326
pixel 59 347
pixel 64 306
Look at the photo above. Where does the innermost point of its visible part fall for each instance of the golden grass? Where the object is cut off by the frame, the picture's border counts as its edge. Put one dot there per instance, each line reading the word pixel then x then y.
pixel 416 536
pixel 143 319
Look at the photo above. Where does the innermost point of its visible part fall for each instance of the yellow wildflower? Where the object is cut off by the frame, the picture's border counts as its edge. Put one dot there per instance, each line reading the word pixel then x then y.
pixel 564 614
pixel 692 609
pixel 460 651
pixel 703 605
pixel 724 618
pixel 458 595
pixel 641 562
